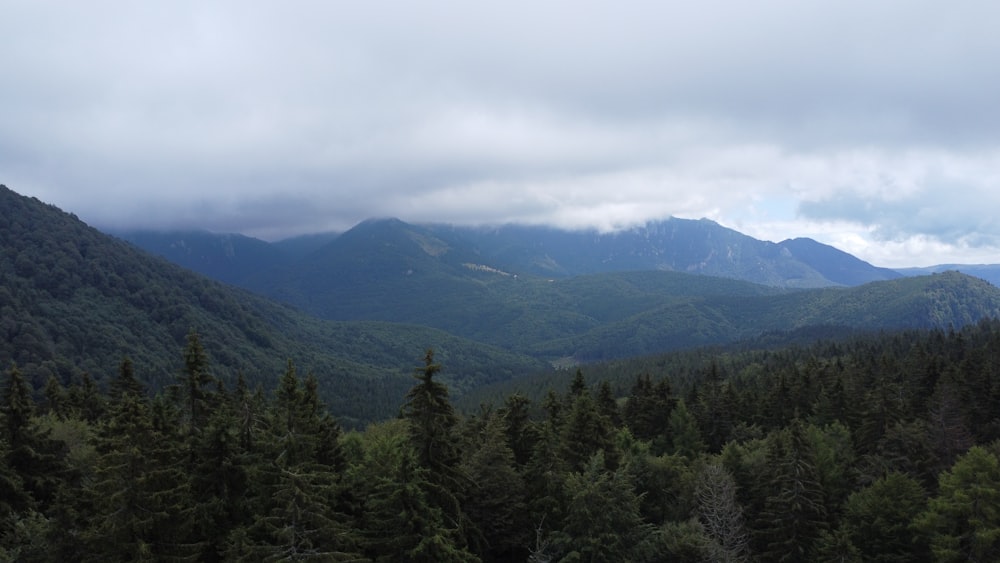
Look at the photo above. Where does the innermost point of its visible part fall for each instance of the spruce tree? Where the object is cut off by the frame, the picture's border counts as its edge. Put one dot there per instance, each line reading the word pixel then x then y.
pixel 496 503
pixel 432 421
pixel 794 514
pixel 143 507
pixel 962 521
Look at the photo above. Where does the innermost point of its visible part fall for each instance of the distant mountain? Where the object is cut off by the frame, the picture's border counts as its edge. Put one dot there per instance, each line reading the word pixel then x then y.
pixel 580 296
pixel 73 299
pixel 679 245
pixel 303 245
pixel 834 265
pixel 988 272
pixel 230 258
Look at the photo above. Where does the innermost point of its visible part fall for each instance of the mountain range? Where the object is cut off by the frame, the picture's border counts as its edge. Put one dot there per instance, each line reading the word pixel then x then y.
pixel 359 308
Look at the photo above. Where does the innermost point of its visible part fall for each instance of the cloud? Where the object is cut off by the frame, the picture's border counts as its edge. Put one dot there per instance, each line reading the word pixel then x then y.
pixel 857 121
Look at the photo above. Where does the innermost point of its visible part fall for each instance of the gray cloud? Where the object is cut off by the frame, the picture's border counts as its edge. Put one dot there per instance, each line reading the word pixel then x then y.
pixel 276 120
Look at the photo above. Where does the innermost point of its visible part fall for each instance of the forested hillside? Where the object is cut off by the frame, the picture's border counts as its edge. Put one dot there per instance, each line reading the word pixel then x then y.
pixel 75 301
pixel 872 449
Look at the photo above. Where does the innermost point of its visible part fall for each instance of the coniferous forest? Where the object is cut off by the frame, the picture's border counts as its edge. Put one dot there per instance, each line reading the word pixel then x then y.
pixel 882 448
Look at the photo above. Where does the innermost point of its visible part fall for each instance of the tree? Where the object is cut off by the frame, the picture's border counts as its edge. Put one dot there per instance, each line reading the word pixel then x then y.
pixel 126 382
pixel 496 502
pixel 603 523
pixel 196 383
pixel 294 487
pixel 877 520
pixel 32 454
pixel 584 433
pixel 684 434
pixel 432 421
pixel 721 516
pixel 521 434
pixel 143 508
pixel 963 520
pixel 401 521
pixel 794 514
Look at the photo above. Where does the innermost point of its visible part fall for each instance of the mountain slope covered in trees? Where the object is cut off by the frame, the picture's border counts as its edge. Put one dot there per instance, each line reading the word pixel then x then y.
pixel 388 271
pixel 75 300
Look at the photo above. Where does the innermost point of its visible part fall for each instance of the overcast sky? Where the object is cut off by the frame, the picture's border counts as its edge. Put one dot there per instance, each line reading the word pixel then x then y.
pixel 872 126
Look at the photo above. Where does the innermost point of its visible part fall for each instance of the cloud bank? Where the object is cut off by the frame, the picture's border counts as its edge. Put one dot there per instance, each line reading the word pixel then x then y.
pixel 868 126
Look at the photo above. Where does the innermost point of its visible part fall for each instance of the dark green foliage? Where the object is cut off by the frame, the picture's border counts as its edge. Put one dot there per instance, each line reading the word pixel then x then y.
pixel 794 512
pixel 877 520
pixel 962 522
pixel 496 503
pixel 74 300
pixel 603 522
pixel 826 449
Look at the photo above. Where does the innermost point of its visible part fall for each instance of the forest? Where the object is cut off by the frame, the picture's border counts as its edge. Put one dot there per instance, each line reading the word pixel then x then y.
pixel 883 448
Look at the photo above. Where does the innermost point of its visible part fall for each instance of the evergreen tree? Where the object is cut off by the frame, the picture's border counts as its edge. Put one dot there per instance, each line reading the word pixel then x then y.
pixel 584 433
pixel 432 421
pixel 963 520
pixel 603 523
pixel 143 508
pixel 196 383
pixel 496 503
pixel 607 405
pixel 520 432
pixel 126 382
pixel 32 454
pixel 685 436
pixel 56 399
pixel 403 523
pixel 794 513
pixel 877 520
pixel 295 485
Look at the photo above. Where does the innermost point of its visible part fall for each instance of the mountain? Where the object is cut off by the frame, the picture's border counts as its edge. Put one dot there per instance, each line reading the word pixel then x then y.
pixel 74 300
pixel 680 245
pixel 834 265
pixel 485 285
pixel 988 272
pixel 230 258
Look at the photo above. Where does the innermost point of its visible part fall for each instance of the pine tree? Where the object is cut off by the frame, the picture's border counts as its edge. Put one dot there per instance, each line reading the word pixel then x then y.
pixel 520 432
pixel 32 454
pixel 196 383
pixel 794 513
pixel 496 503
pixel 295 484
pixel 685 436
pixel 143 507
pixel 126 382
pixel 584 433
pixel 432 423
pixel 963 520
pixel 402 521
pixel 603 523
pixel 877 520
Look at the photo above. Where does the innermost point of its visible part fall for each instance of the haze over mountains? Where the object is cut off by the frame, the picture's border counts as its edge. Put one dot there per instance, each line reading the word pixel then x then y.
pixel 360 308
pixel 680 245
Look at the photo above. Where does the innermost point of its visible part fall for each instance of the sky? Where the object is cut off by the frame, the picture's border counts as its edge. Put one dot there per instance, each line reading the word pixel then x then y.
pixel 871 126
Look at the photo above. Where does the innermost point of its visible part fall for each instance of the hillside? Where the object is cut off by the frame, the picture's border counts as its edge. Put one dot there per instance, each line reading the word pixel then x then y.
pixel 677 245
pixel 988 272
pixel 465 281
pixel 73 299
